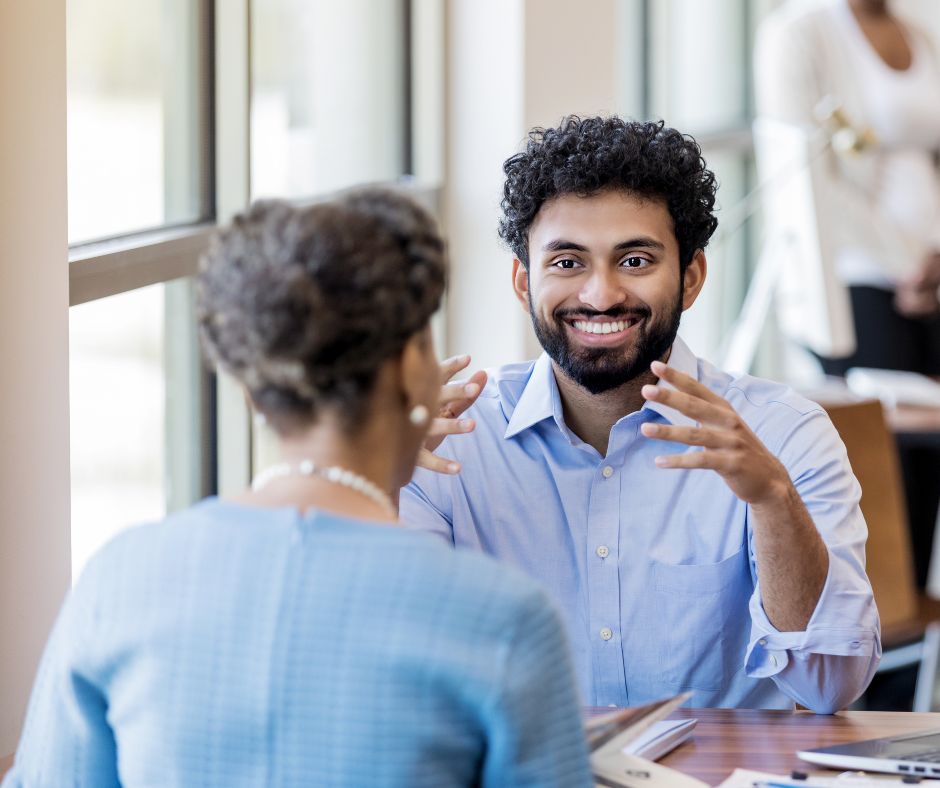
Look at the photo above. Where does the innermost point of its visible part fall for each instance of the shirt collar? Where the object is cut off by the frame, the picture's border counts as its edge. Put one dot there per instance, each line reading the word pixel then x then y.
pixel 540 398
pixel 681 359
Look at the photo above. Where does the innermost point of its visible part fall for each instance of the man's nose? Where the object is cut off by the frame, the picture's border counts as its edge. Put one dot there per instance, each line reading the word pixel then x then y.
pixel 602 291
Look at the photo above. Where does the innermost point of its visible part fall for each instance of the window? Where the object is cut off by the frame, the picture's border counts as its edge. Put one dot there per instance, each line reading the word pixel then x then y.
pixel 136 406
pixel 328 95
pixel 139 168
pixel 176 123
pixel 706 91
pixel 136 116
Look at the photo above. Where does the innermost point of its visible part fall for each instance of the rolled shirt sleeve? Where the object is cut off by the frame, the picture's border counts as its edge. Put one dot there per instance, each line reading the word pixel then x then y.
pixel 828 665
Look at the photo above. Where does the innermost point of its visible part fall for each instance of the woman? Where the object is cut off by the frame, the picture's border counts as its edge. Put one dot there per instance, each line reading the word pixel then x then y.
pixel 297 634
pixel 877 76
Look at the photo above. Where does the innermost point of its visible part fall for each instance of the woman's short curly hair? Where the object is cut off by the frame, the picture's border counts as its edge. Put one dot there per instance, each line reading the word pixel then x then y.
pixel 304 305
pixel 584 156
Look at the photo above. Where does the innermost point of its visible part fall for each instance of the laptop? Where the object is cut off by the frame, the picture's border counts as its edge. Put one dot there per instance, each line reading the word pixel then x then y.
pixel 913 753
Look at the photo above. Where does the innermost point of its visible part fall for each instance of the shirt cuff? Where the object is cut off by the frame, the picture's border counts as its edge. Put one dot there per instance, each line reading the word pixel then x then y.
pixel 769 650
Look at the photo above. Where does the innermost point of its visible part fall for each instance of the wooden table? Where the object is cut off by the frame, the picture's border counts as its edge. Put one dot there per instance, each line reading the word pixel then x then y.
pixel 726 739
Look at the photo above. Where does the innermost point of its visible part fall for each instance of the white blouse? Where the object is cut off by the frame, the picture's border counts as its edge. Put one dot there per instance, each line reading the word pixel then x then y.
pixel 888 195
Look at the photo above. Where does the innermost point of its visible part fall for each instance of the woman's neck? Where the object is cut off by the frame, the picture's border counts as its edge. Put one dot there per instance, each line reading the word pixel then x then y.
pixel 869 8
pixel 327 446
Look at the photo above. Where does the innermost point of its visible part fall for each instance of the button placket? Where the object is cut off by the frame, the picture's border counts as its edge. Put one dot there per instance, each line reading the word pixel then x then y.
pixel 603 534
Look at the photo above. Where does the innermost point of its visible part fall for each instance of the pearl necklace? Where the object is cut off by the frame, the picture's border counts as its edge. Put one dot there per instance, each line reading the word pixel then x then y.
pixel 330 473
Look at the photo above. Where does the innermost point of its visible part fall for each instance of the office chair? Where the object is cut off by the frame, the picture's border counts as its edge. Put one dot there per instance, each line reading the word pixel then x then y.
pixel 910 622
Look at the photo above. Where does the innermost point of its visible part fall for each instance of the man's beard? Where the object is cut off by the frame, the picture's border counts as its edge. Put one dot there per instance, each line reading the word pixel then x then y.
pixel 601 369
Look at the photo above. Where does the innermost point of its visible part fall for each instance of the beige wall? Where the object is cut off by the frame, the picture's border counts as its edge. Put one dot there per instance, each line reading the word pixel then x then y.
pixel 571 59
pixel 34 430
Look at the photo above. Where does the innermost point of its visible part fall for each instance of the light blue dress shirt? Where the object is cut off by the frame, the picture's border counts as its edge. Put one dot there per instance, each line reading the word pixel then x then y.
pixel 654 569
pixel 235 646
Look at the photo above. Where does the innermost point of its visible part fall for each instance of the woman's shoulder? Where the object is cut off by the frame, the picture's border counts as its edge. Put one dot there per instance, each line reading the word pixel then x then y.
pixel 195 528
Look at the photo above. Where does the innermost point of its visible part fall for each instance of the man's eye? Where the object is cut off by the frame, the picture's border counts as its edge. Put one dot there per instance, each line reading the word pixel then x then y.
pixel 567 264
pixel 635 262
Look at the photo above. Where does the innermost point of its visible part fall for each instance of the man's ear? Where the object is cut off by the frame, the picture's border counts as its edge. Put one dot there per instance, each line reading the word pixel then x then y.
pixel 520 283
pixel 693 279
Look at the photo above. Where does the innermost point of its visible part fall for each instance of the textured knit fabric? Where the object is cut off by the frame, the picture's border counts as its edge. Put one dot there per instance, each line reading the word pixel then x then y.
pixel 654 569
pixel 235 646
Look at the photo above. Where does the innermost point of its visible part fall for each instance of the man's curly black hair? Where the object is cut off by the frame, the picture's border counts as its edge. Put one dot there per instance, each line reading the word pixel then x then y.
pixel 584 156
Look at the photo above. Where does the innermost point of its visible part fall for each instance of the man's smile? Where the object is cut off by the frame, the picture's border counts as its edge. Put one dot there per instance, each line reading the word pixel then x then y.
pixel 602 331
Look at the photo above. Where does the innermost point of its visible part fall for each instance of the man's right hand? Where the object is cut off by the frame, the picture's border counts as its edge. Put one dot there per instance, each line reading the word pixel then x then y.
pixel 455 399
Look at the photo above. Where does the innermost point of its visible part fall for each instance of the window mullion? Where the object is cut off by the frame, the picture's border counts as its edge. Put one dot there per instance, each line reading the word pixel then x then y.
pixel 232 194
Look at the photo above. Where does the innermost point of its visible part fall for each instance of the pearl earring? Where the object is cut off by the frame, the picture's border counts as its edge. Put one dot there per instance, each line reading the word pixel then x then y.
pixel 260 419
pixel 419 415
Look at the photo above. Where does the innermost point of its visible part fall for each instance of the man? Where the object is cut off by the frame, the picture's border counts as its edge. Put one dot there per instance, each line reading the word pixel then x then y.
pixel 699 531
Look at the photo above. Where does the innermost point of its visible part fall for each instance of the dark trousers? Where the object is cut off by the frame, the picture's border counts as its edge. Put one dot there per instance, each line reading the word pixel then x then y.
pixel 888 340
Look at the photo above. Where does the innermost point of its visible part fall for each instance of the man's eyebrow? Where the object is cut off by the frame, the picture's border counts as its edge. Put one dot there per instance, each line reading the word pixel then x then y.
pixel 561 244
pixel 642 242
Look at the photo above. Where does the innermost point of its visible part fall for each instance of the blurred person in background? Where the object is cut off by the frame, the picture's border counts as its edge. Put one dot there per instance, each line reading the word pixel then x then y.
pixel 296 634
pixel 882 75
pixel 878 75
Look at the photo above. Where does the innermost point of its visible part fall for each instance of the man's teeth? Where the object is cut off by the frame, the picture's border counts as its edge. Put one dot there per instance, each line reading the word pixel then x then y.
pixel 602 328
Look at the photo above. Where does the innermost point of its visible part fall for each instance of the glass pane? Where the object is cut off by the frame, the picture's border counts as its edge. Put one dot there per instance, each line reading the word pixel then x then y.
pixel 705 326
pixel 135 115
pixel 699 61
pixel 134 412
pixel 117 411
pixel 327 108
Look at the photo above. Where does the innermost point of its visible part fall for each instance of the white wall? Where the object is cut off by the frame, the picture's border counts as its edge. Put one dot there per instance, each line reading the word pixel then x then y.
pixel 484 125
pixel 34 429
pixel 924 12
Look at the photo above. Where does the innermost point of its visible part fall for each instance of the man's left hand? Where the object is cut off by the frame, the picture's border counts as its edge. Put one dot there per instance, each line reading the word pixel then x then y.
pixel 729 446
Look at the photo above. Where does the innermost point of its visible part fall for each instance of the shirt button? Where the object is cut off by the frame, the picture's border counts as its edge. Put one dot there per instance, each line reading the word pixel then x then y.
pixel 606 633
pixel 607 472
pixel 603 551
pixel 762 642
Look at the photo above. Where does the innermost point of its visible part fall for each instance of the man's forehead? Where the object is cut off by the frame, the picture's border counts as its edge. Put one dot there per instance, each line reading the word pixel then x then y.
pixel 610 213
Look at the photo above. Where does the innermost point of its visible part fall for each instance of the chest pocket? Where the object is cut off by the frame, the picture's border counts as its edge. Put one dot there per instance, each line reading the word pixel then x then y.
pixel 705 621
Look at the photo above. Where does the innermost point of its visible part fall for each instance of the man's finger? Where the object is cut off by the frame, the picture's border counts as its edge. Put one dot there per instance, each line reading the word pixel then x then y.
pixel 457 397
pixel 705 460
pixel 694 407
pixel 690 436
pixel 442 427
pixel 453 392
pixel 437 464
pixel 686 383
pixel 453 365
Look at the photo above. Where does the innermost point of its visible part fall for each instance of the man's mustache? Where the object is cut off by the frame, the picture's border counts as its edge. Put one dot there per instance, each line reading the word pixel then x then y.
pixel 614 313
